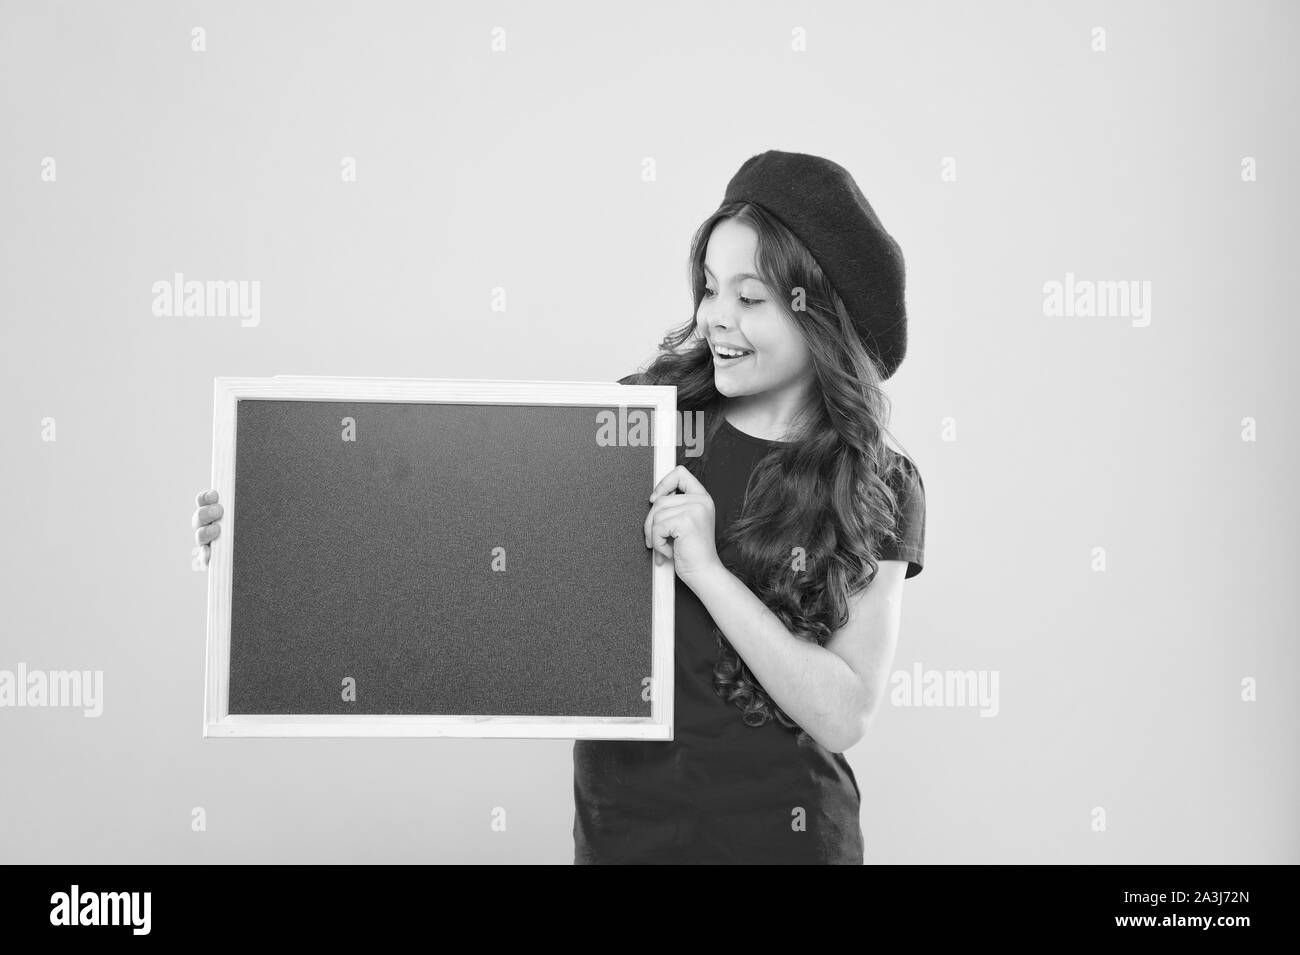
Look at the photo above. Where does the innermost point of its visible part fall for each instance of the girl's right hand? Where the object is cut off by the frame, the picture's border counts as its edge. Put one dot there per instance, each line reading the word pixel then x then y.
pixel 205 521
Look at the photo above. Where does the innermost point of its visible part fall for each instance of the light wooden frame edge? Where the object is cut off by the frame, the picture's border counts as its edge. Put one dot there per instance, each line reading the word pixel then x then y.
pixel 228 391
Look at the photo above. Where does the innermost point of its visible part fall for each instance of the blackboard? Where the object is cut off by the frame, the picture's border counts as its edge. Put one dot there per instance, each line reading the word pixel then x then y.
pixel 438 557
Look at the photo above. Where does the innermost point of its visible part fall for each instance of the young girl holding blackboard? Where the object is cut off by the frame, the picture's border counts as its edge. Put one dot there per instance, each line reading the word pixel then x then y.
pixel 790 536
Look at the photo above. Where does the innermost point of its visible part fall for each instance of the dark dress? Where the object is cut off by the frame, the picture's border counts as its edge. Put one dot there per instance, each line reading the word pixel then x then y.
pixel 722 791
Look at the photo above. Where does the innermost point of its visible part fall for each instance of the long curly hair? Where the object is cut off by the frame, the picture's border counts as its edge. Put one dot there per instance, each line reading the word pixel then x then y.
pixel 816 510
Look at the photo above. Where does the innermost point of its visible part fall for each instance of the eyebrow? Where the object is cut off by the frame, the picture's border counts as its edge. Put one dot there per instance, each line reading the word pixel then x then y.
pixel 739 275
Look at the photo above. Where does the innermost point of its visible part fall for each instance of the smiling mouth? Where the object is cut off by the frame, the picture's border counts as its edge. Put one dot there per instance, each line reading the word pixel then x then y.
pixel 727 359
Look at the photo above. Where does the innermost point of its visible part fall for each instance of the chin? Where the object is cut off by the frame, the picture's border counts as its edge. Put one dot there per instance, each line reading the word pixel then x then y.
pixel 725 388
pixel 729 389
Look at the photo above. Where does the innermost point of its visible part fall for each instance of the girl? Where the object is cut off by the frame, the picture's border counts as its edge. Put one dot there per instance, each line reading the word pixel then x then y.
pixel 790 536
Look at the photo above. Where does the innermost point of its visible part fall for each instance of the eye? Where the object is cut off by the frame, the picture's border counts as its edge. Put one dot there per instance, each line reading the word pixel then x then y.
pixel 747 302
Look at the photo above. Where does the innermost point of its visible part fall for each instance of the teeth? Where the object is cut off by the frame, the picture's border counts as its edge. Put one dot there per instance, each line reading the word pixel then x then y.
pixel 730 352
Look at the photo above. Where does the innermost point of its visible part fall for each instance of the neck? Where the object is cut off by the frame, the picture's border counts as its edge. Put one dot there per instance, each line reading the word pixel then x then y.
pixel 771 415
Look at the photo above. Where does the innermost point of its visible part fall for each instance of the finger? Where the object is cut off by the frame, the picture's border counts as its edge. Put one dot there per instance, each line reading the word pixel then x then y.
pixel 689 482
pixel 206 497
pixel 662 534
pixel 207 514
pixel 207 554
pixel 678 479
pixel 660 506
pixel 207 533
pixel 667 484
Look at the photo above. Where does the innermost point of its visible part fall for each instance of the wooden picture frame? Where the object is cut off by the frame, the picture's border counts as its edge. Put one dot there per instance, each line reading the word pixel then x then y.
pixel 228 392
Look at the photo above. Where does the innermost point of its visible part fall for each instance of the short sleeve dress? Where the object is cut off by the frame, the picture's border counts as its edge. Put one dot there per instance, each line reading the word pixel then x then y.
pixel 722 791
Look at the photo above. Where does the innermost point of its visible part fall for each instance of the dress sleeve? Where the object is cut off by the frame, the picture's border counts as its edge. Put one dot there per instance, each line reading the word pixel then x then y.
pixel 909 490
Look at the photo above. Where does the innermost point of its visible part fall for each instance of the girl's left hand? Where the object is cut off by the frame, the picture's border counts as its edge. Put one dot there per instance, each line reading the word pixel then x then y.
pixel 680 527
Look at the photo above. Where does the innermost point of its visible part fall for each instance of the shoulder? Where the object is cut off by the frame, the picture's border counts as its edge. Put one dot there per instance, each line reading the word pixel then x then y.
pixel 902 473
pixel 908 539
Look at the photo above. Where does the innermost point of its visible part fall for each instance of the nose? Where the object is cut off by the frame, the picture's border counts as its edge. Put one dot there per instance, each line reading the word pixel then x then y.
pixel 715 326
pixel 716 316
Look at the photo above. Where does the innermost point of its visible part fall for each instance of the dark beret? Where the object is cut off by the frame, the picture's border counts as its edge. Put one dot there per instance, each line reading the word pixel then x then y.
pixel 820 203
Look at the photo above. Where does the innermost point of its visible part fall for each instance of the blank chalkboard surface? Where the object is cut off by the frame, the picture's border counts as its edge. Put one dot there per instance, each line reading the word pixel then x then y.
pixel 438 557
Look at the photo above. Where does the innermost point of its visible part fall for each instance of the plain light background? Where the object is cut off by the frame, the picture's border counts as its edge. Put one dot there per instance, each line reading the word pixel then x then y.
pixel 1039 438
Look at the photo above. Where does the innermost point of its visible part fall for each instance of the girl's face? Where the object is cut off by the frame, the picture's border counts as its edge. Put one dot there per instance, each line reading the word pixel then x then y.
pixel 740 311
